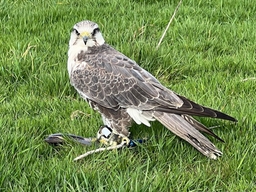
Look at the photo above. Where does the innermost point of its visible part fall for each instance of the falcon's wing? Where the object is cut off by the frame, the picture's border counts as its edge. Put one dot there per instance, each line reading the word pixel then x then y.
pixel 112 80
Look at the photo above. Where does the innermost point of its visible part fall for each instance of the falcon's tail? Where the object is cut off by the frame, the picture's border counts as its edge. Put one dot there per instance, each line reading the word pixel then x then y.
pixel 200 127
pixel 186 130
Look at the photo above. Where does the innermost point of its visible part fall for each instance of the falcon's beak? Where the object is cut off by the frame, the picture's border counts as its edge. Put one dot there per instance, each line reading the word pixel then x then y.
pixel 85 35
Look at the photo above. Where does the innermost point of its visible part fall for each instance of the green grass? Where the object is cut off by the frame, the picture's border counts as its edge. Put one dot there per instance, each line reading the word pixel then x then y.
pixel 207 55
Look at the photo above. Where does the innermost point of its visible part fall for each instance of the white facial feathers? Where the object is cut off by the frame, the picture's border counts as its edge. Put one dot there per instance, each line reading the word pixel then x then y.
pixel 83 35
pixel 86 34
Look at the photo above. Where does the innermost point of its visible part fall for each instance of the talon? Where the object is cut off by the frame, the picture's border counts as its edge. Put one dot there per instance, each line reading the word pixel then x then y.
pixel 107 137
pixel 126 140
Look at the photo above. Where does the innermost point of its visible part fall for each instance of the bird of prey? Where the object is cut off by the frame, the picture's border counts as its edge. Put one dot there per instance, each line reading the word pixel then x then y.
pixel 123 92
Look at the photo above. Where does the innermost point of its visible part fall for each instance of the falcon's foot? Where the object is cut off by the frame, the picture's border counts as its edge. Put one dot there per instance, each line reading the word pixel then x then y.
pixel 108 137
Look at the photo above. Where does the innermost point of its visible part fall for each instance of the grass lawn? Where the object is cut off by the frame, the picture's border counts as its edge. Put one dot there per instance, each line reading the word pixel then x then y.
pixel 207 55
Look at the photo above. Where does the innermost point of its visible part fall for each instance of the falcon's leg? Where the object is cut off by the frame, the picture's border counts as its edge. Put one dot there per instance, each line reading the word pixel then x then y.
pixel 108 137
pixel 116 123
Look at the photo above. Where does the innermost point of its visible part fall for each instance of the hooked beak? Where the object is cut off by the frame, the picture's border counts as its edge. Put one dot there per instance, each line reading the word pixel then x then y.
pixel 85 35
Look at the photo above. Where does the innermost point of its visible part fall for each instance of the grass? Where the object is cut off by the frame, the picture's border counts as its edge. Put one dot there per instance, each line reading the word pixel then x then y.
pixel 207 55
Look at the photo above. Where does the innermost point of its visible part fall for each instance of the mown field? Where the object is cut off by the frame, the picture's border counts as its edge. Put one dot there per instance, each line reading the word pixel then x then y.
pixel 207 55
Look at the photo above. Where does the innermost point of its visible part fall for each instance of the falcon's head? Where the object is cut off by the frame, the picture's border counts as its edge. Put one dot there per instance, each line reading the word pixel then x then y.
pixel 86 33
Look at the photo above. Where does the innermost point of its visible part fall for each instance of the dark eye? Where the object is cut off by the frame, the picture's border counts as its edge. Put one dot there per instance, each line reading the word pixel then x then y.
pixel 77 33
pixel 96 30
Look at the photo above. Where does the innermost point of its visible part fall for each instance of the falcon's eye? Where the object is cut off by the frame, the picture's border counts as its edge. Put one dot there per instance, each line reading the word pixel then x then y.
pixel 77 33
pixel 96 30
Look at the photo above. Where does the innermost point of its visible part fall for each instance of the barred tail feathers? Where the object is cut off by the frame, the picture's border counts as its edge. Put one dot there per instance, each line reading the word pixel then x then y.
pixel 179 126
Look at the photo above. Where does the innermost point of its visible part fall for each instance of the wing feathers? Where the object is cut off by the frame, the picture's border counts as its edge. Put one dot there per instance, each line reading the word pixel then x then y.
pixel 200 110
pixel 113 80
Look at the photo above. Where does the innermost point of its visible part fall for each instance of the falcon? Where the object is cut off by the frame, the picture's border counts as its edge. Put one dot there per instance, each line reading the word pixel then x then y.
pixel 123 92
